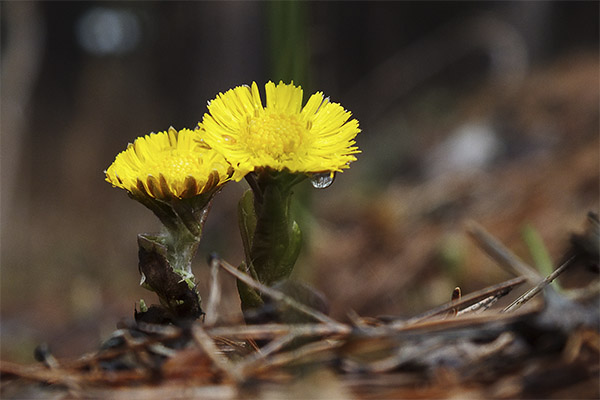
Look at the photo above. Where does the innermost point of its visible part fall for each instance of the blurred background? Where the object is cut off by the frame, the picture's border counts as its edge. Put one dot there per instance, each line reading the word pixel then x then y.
pixel 485 111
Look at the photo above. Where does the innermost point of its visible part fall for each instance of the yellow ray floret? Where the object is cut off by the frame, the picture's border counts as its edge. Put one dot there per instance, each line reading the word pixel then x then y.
pixel 283 135
pixel 166 165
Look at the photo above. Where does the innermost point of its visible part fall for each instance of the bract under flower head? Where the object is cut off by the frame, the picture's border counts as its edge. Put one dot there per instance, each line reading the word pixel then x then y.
pixel 282 135
pixel 167 165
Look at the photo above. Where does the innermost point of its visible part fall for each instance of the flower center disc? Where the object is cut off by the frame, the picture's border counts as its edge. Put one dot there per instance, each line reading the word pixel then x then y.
pixel 276 135
pixel 175 164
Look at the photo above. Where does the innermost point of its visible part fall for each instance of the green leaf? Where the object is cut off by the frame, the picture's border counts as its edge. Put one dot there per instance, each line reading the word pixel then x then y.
pixel 539 253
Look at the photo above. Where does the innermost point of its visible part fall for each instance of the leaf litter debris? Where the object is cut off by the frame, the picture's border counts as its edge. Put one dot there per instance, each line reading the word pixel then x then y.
pixel 546 343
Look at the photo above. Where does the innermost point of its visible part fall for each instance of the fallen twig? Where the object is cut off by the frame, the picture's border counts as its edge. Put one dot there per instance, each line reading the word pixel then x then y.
pixel 498 290
pixel 206 343
pixel 279 296
pixel 539 287
pixel 502 255
pixel 215 293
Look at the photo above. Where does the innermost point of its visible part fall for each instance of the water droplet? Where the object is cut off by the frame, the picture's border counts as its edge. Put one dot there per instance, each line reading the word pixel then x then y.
pixel 322 180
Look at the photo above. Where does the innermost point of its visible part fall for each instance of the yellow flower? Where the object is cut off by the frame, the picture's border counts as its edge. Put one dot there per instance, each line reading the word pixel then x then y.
pixel 282 135
pixel 168 165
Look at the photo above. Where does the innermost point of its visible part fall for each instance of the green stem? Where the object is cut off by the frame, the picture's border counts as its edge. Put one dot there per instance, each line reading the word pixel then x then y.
pixel 275 246
pixel 271 238
pixel 175 289
pixel 165 259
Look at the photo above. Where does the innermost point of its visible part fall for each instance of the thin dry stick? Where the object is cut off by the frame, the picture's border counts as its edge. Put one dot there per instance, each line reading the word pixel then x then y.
pixel 279 296
pixel 73 387
pixel 164 391
pixel 499 290
pixel 264 352
pixel 215 294
pixel 293 355
pixel 538 288
pixel 356 319
pixel 502 255
pixel 401 356
pixel 268 331
pixel 211 349
pixel 407 354
pixel 37 373
pixel 164 331
pixel 159 348
pixel 480 306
